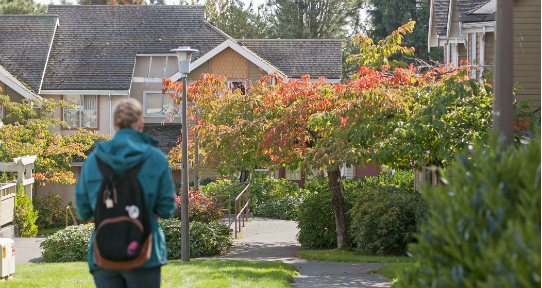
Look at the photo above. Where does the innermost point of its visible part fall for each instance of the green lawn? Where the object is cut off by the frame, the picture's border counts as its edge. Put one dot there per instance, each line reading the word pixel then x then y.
pixel 344 255
pixel 393 270
pixel 196 273
pixel 50 231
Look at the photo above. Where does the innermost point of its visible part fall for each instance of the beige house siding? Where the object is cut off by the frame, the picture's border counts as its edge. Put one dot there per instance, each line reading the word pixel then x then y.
pixel 194 75
pixel 527 49
pixel 254 73
pixel 454 24
pixel 230 64
pixel 462 53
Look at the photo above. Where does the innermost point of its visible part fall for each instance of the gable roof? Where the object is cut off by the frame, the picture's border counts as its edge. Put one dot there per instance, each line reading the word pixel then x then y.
pixel 15 84
pixel 251 56
pixel 297 57
pixel 440 8
pixel 95 46
pixel 25 42
pixel 467 7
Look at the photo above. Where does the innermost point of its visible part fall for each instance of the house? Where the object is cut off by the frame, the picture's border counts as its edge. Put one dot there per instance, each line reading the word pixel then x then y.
pixel 466 30
pixel 94 55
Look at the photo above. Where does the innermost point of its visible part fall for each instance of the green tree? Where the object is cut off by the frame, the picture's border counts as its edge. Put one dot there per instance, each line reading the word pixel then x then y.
pixel 21 7
pixel 231 17
pixel 312 19
pixel 30 134
pixel 385 16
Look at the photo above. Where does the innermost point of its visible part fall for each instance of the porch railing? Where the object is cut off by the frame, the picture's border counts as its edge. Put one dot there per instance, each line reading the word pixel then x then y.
pixel 241 205
pixel 8 191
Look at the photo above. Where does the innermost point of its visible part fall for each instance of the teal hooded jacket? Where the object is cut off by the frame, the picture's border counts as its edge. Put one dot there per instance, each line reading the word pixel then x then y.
pixel 127 149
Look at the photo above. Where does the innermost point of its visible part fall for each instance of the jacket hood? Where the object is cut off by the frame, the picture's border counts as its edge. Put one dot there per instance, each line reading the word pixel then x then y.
pixel 127 148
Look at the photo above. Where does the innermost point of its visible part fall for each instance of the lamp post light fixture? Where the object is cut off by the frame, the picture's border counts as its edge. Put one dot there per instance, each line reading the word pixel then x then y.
pixel 184 54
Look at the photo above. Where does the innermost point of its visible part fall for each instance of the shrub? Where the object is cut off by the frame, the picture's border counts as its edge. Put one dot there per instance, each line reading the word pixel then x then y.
pixel 67 245
pixel 316 221
pixel 25 215
pixel 285 208
pixel 200 208
pixel 384 220
pixel 206 239
pixel 483 229
pixel 50 212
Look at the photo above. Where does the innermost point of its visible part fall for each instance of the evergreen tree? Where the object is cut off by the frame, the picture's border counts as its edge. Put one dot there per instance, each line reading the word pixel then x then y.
pixel 385 16
pixel 21 7
pixel 231 17
pixel 312 19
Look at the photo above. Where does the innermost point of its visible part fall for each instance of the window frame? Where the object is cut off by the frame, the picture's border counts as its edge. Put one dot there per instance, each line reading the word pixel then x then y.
pixel 145 97
pixel 296 171
pixel 230 81
pixel 81 110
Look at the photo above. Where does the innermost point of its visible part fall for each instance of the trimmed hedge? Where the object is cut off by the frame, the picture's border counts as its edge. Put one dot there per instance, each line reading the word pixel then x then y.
pixel 67 245
pixel 385 219
pixel 316 221
pixel 206 239
pixel 25 214
pixel 483 229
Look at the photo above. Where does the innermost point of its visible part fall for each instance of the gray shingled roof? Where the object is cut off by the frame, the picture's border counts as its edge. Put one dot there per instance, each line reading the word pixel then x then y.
pixel 318 58
pixel 440 10
pixel 24 46
pixel 466 7
pixel 95 46
pixel 18 86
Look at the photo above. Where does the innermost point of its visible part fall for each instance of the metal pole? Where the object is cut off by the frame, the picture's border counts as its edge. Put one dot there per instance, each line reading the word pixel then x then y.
pixel 196 157
pixel 503 117
pixel 185 230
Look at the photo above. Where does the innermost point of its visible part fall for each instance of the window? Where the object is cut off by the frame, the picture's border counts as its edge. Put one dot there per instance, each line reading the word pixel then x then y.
pixel 85 112
pixel 157 104
pixel 293 174
pixel 237 84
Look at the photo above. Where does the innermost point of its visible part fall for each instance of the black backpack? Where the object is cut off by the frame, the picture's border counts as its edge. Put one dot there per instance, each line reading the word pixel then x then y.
pixel 122 239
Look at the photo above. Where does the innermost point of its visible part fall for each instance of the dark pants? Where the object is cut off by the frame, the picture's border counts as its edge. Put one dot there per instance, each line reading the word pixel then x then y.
pixel 143 277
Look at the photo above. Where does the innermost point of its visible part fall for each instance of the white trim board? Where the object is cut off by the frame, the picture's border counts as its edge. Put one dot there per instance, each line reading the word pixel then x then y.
pixel 48 54
pixel 249 55
pixel 17 85
pixel 85 92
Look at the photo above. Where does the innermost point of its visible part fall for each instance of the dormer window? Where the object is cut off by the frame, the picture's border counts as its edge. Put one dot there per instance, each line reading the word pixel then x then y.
pixel 157 104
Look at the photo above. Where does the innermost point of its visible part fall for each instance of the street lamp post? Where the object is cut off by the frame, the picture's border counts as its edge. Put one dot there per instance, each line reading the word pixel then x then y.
pixel 183 55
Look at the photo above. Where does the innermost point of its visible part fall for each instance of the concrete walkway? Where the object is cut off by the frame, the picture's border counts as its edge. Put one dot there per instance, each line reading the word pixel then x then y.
pixel 27 250
pixel 275 240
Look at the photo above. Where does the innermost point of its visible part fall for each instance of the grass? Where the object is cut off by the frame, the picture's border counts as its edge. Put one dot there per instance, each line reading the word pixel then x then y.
pixel 344 255
pixel 393 270
pixel 49 231
pixel 196 273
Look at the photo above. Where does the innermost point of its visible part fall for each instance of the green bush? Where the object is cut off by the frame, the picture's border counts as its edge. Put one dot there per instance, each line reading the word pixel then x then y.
pixel 285 208
pixel 316 221
pixel 385 219
pixel 25 215
pixel 67 245
pixel 206 239
pixel 50 212
pixel 483 229
pixel 265 195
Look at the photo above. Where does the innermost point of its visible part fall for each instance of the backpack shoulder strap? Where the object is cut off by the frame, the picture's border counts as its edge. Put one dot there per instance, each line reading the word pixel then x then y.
pixel 105 169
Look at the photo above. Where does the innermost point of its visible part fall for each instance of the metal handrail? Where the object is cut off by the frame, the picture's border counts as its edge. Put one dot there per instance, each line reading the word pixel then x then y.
pixel 73 217
pixel 242 201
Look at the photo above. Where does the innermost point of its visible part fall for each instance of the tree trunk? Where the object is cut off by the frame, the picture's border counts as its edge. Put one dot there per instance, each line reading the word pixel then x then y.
pixel 337 200
pixel 244 175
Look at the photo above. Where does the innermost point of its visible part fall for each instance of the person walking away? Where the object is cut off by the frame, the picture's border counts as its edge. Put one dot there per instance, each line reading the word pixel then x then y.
pixel 129 152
